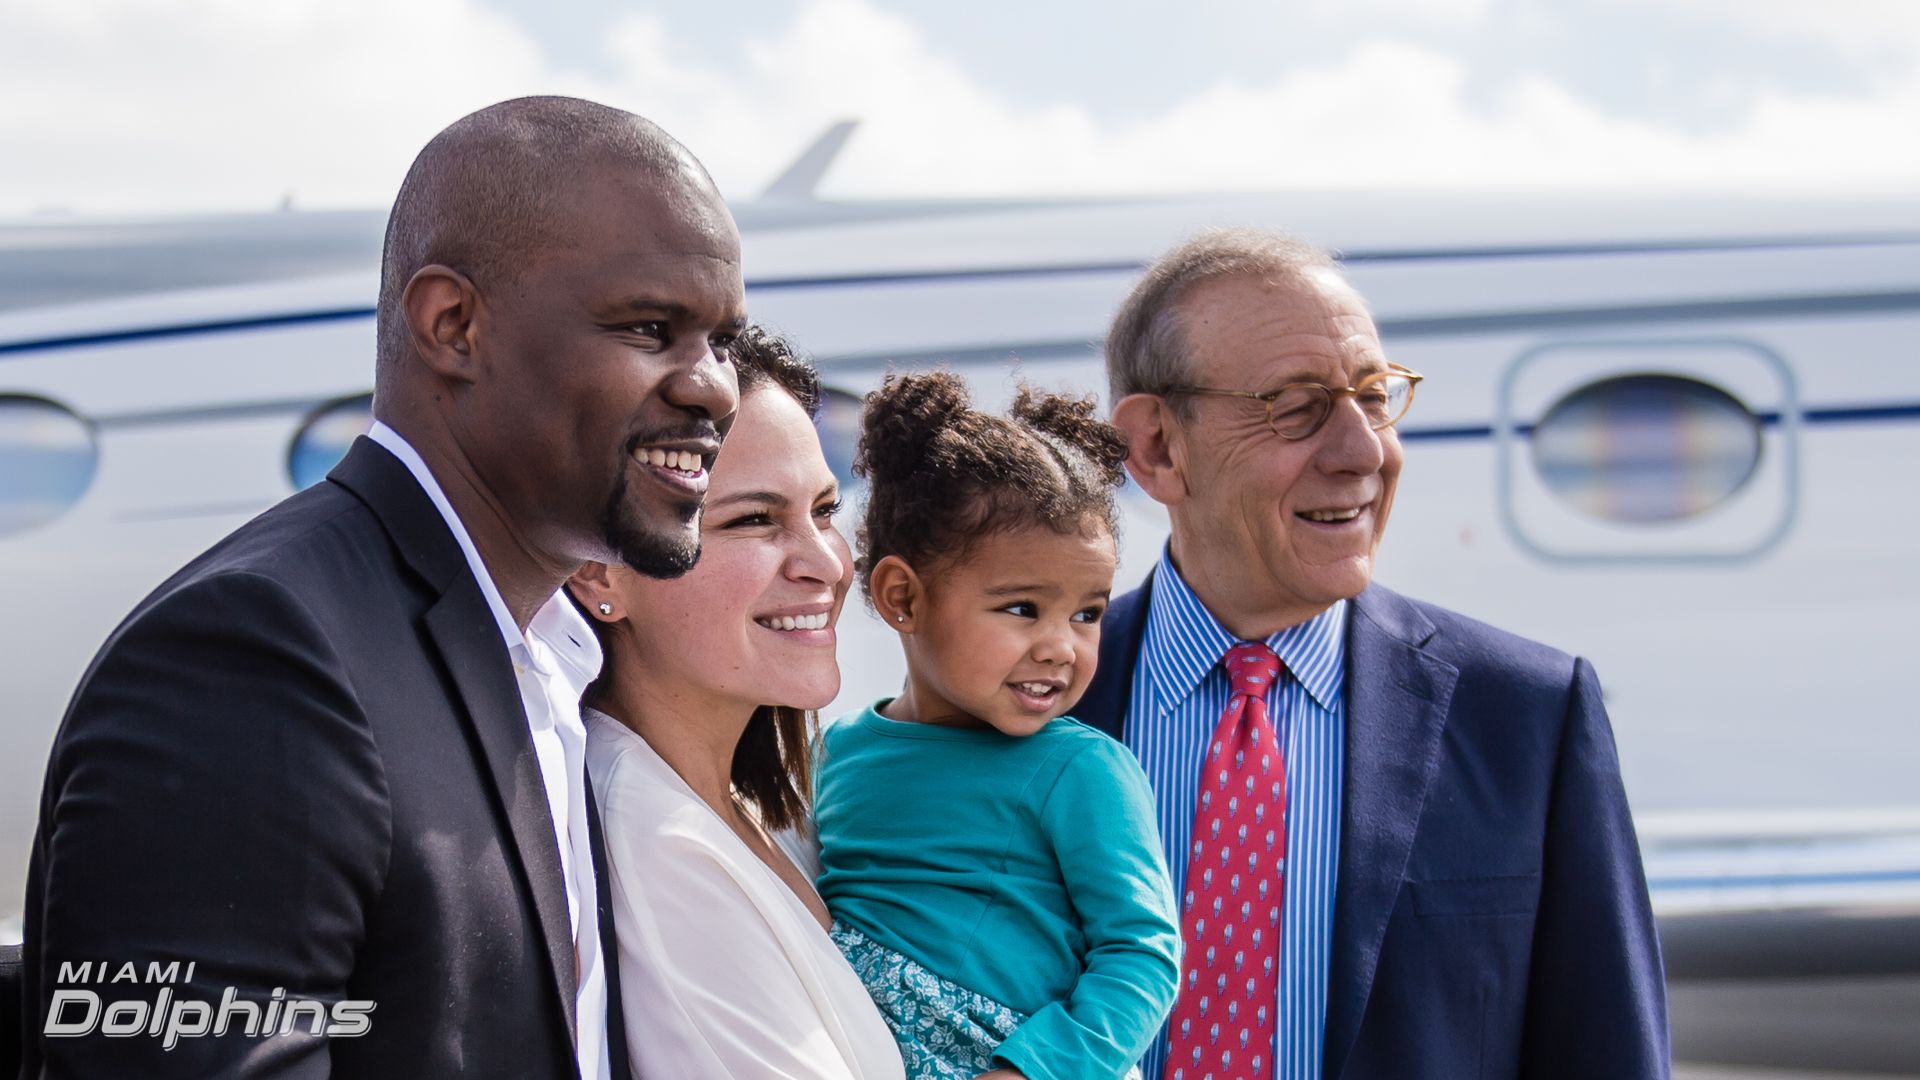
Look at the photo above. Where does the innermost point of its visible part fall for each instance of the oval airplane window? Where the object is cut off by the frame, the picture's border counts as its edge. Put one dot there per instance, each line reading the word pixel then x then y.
pixel 47 459
pixel 323 440
pixel 839 427
pixel 1646 449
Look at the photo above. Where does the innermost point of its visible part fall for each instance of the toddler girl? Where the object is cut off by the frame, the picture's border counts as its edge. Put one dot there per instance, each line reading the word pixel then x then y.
pixel 992 865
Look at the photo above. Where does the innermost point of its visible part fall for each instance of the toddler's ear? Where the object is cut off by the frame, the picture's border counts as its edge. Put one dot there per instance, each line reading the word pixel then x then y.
pixel 1155 446
pixel 897 593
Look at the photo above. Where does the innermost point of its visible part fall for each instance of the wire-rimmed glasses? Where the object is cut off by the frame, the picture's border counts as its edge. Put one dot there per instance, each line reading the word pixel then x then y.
pixel 1297 410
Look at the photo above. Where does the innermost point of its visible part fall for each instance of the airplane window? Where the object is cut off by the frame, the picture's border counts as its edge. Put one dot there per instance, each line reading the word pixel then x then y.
pixel 323 440
pixel 839 426
pixel 47 459
pixel 1646 449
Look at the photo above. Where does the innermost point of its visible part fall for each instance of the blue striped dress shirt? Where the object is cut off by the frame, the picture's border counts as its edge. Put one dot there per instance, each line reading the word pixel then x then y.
pixel 1178 694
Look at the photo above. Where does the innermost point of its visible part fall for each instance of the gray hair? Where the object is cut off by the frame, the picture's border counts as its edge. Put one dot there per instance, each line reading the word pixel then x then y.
pixel 1146 350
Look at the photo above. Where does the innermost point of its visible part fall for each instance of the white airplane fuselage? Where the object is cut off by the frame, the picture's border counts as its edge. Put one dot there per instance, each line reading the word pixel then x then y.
pixel 1753 643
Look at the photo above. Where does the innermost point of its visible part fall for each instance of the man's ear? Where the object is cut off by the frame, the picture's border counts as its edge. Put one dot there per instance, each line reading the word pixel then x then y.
pixel 440 305
pixel 1156 447
pixel 898 596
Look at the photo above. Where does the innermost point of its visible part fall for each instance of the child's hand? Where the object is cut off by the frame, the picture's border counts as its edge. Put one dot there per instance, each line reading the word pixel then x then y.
pixel 1002 1074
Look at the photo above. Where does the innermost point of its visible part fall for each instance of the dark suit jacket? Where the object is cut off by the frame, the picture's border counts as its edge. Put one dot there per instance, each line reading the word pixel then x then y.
pixel 1491 916
pixel 10 1011
pixel 303 763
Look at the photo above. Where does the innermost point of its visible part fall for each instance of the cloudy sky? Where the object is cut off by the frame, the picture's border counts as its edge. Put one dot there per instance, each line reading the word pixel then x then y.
pixel 116 106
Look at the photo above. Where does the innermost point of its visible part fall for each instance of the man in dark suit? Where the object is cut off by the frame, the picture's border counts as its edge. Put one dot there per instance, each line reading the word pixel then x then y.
pixel 1399 836
pixel 318 806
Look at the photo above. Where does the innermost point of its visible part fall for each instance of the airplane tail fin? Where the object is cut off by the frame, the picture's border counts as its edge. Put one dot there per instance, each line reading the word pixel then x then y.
pixel 801 177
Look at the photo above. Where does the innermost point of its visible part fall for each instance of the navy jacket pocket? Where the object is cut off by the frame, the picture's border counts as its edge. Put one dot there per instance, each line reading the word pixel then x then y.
pixel 1512 895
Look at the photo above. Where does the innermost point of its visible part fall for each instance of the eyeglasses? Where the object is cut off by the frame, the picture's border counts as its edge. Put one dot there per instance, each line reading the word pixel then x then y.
pixel 1297 410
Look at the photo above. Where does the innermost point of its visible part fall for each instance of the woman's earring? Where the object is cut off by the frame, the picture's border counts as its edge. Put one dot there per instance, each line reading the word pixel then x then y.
pixel 899 617
pixel 606 608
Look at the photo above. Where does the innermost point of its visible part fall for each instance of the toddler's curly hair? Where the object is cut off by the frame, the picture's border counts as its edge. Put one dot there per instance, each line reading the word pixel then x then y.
pixel 944 473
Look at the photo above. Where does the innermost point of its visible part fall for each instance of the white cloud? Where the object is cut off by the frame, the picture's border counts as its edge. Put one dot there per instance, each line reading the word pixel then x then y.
pixel 1390 114
pixel 1860 27
pixel 232 103
pixel 229 103
pixel 1426 11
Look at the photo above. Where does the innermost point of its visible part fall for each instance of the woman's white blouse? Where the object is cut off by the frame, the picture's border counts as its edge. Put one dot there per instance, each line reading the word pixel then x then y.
pixel 725 973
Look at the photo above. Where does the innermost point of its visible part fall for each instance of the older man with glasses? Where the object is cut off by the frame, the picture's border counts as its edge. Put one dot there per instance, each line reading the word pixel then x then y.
pixel 1398 836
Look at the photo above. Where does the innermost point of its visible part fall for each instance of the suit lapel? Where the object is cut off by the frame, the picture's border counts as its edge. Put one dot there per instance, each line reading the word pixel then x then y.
pixel 1397 699
pixel 462 628
pixel 1104 705
pixel 619 1061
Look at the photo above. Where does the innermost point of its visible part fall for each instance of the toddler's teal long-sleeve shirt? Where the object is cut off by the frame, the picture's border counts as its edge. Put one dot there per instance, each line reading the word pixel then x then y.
pixel 1027 869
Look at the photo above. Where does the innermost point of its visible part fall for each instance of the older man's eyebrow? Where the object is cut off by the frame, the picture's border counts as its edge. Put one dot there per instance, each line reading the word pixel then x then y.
pixel 1309 377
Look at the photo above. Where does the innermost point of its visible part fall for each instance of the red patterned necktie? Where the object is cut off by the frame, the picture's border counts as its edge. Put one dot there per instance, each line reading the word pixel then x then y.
pixel 1222 1026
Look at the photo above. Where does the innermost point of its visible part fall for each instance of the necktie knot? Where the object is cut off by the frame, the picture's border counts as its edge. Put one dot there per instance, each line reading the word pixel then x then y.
pixel 1251 667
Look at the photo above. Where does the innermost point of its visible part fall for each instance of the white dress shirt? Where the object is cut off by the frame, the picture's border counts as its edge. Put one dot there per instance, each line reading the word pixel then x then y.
pixel 553 662
pixel 726 971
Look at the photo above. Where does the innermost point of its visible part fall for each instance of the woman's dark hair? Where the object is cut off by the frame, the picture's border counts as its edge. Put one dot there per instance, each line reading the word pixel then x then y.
pixel 773 762
pixel 944 473
pixel 761 357
pixel 772 766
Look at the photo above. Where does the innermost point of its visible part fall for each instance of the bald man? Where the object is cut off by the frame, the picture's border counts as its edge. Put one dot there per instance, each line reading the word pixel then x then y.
pixel 318 806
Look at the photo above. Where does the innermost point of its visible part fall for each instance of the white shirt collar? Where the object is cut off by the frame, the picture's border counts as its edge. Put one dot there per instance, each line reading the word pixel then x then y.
pixel 557 625
pixel 1184 642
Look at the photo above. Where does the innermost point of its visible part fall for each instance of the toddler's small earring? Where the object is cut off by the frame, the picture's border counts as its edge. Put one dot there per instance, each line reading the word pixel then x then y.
pixel 898 617
pixel 606 608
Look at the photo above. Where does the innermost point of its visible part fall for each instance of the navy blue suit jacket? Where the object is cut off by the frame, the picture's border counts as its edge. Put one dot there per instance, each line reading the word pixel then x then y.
pixel 1491 915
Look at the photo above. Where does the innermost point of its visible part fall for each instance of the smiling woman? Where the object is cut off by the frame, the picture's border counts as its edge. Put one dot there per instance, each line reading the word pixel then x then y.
pixel 697 746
